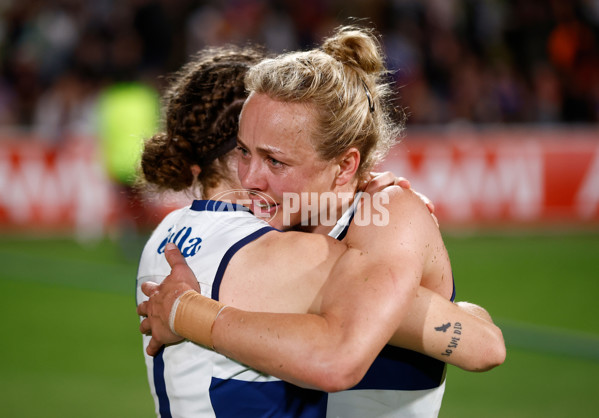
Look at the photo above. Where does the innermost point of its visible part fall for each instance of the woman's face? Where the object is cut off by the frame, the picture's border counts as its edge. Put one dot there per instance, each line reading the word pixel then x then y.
pixel 278 163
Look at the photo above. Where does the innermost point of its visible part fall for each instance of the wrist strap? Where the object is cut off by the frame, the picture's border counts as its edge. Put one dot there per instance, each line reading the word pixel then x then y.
pixel 193 315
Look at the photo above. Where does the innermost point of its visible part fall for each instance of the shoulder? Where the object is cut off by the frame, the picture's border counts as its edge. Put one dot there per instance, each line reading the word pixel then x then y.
pixel 281 272
pixel 293 247
pixel 396 196
pixel 390 219
pixel 391 207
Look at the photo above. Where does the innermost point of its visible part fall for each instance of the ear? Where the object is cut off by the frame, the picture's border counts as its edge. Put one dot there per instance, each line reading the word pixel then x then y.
pixel 195 170
pixel 348 165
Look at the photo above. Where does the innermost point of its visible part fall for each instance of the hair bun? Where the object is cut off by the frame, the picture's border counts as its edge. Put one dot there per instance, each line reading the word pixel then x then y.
pixel 162 164
pixel 357 47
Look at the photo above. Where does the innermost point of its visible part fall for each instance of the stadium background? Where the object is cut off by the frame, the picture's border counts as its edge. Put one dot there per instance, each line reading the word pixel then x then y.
pixel 502 100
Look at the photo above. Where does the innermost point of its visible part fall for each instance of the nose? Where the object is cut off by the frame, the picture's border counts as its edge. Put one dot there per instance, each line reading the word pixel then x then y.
pixel 251 175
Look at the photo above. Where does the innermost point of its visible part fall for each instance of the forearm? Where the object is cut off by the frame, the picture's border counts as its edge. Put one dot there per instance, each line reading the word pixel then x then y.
pixel 304 349
pixel 299 348
pixel 462 336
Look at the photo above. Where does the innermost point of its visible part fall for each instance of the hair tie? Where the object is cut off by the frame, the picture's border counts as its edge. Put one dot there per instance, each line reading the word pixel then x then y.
pixel 218 151
pixel 370 101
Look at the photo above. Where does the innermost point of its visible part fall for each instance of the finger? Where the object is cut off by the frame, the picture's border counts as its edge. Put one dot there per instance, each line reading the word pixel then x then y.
pixel 173 255
pixel 385 179
pixel 403 182
pixel 422 197
pixel 429 204
pixel 142 309
pixel 381 181
pixel 367 179
pixel 145 327
pixel 153 347
pixel 435 219
pixel 180 269
pixel 149 288
pixel 431 207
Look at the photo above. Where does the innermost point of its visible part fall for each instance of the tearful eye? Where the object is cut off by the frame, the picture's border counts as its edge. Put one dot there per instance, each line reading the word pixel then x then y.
pixel 274 162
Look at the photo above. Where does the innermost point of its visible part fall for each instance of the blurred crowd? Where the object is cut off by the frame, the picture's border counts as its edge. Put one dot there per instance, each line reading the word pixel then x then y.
pixel 452 61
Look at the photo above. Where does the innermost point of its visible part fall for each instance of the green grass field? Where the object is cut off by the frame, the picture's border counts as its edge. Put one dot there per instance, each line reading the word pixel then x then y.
pixel 70 345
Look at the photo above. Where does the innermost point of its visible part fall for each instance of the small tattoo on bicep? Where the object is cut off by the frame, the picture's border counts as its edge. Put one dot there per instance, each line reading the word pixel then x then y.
pixel 443 327
pixel 453 344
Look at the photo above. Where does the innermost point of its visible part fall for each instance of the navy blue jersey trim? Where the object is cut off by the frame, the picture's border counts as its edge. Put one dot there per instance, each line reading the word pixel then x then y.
pixel 453 293
pixel 217 206
pixel 238 398
pixel 218 278
pixel 344 232
pixel 351 210
pixel 397 368
pixel 164 405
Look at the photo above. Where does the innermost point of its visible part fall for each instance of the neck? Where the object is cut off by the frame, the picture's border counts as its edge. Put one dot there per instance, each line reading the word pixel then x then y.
pixel 345 198
pixel 226 192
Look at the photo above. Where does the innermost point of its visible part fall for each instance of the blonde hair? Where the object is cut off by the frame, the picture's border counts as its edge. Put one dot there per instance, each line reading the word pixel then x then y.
pixel 343 83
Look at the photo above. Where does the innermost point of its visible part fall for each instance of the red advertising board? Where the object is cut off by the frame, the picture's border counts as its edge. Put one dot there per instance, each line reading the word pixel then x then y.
pixel 520 176
pixel 45 187
pixel 474 177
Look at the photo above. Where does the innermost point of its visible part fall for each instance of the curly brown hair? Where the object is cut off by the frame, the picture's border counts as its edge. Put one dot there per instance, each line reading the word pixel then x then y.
pixel 202 106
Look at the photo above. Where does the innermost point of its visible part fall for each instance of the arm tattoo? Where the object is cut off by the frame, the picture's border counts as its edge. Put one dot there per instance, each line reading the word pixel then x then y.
pixel 453 344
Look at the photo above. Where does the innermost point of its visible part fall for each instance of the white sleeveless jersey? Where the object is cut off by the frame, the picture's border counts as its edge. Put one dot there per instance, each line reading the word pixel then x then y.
pixel 187 380
pixel 400 382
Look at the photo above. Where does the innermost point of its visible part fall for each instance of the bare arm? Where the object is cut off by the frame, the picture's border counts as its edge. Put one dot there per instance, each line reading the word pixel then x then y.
pixel 365 305
pixel 461 334
pixel 331 351
pixel 366 297
pixel 310 349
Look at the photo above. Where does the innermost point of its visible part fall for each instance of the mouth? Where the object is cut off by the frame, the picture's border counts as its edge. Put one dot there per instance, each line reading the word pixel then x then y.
pixel 262 208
